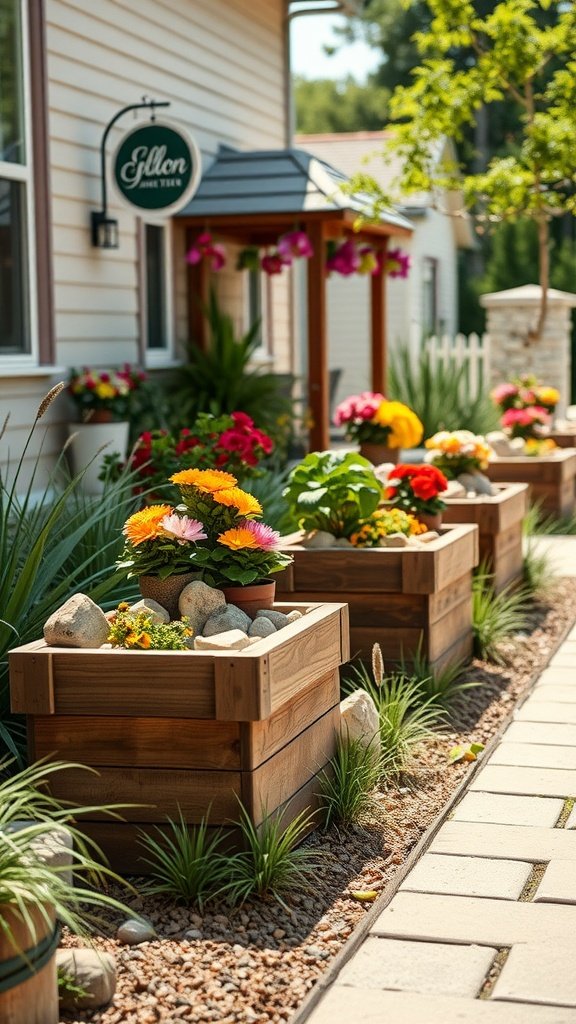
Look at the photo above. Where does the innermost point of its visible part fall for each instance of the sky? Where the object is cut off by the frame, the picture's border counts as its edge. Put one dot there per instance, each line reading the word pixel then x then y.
pixel 310 33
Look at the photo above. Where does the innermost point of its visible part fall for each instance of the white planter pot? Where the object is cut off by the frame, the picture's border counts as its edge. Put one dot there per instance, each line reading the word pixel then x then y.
pixel 89 443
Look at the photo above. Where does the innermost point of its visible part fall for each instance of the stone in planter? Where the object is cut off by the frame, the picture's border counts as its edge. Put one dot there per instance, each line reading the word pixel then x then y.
pixel 231 640
pixel 198 602
pixel 78 623
pixel 230 617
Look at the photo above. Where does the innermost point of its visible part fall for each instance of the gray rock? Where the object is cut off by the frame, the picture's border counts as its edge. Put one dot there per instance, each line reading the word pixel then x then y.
pixel 454 490
pixel 152 608
pixel 468 482
pixel 261 627
pixel 320 539
pixel 425 538
pixel 199 602
pixel 132 932
pixel 279 619
pixel 231 640
pixel 395 540
pixel 78 623
pixel 54 846
pixel 92 971
pixel 501 443
pixel 483 484
pixel 342 542
pixel 294 616
pixel 359 720
pixel 223 621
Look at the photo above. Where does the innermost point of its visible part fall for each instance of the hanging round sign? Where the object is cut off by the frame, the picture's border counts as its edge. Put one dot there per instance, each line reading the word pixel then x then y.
pixel 156 167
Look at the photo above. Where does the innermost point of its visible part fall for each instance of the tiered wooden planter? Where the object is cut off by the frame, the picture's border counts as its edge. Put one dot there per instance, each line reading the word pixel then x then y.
pixel 551 478
pixel 398 597
pixel 565 438
pixel 499 521
pixel 187 730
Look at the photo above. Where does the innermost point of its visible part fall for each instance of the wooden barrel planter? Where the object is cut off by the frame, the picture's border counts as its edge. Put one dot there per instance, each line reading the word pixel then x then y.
pixel 499 520
pixel 187 730
pixel 551 478
pixel 28 984
pixel 401 598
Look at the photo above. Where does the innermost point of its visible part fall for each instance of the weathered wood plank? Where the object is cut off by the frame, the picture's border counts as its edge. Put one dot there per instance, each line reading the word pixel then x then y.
pixel 139 742
pixel 491 514
pixel 316 652
pixel 32 680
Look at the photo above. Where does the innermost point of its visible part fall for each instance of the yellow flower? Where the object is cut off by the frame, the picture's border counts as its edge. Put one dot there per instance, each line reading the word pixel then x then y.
pixel 145 525
pixel 105 390
pixel 405 428
pixel 234 497
pixel 209 481
pixel 238 539
pixel 547 395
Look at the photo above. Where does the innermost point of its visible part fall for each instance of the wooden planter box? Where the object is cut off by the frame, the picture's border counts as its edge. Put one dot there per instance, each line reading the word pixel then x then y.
pixel 499 521
pixel 565 438
pixel 187 729
pixel 398 597
pixel 551 478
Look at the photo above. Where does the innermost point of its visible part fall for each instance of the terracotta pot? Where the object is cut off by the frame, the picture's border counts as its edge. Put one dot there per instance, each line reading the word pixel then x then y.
pixel 433 520
pixel 99 416
pixel 252 597
pixel 166 592
pixel 379 453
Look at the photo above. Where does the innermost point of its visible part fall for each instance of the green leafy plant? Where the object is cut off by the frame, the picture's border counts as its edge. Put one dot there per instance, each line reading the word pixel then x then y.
pixel 439 394
pixel 54 542
pixel 538 522
pixel 32 889
pixel 406 717
pixel 268 489
pixel 333 491
pixel 220 379
pixel 495 617
pixel 347 784
pixel 138 631
pixel 273 864
pixel 67 986
pixel 186 862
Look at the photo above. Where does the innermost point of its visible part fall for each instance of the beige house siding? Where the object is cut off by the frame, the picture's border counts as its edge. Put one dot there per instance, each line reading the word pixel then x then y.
pixel 221 65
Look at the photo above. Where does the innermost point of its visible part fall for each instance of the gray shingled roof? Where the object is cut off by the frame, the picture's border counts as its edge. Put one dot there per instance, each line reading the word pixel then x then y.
pixel 275 181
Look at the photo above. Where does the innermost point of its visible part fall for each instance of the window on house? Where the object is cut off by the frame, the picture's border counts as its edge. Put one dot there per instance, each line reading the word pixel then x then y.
pixel 15 186
pixel 256 308
pixel 429 296
pixel 156 314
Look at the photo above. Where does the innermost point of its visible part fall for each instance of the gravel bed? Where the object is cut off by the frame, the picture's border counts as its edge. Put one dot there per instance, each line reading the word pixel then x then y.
pixel 257 963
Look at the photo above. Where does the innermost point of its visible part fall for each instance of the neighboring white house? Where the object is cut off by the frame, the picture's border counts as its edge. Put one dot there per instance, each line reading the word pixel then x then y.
pixel 423 304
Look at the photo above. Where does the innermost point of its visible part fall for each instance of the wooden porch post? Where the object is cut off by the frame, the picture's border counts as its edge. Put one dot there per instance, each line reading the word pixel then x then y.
pixel 378 332
pixel 318 390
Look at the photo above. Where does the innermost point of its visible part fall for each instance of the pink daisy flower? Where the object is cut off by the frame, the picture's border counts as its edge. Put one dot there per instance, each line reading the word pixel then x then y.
pixel 266 538
pixel 183 528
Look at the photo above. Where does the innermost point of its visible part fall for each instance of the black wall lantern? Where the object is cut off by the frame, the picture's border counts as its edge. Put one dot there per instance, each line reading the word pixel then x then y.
pixel 105 228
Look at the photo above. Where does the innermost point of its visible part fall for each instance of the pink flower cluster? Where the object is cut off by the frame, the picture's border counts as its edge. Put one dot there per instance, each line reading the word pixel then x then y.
pixel 293 245
pixel 531 415
pixel 204 248
pixel 349 258
pixel 358 407
pixel 245 439
pixel 502 392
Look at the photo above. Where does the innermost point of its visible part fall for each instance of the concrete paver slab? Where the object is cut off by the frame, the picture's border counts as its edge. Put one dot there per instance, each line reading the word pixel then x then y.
pixel 571 819
pixel 344 1005
pixel 563 659
pixel 442 969
pixel 470 919
pixel 557 675
pixel 536 710
pixel 468 876
pixel 512 842
pixel 538 974
pixel 558 693
pixel 534 732
pixel 509 810
pixel 558 884
pixel 533 755
pixel 496 778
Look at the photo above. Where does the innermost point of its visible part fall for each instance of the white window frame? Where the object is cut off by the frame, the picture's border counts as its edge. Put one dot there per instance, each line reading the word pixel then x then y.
pixel 24 173
pixel 159 357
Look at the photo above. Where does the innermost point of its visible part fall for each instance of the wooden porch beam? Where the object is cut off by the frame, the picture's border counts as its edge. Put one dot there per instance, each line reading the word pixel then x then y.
pixel 378 353
pixel 318 390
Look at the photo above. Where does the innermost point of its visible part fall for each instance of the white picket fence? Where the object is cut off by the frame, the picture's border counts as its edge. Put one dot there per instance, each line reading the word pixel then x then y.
pixel 471 351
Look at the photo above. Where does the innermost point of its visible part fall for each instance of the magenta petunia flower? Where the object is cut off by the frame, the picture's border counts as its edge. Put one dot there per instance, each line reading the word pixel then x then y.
pixel 295 244
pixel 183 528
pixel 397 263
pixel 266 538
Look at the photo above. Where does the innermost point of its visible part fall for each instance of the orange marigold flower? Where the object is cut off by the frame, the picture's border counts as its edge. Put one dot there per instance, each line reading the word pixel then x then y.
pixel 208 481
pixel 234 497
pixel 143 640
pixel 239 538
pixel 145 525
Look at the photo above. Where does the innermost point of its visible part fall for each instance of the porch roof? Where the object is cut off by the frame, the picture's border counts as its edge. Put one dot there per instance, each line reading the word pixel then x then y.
pixel 280 183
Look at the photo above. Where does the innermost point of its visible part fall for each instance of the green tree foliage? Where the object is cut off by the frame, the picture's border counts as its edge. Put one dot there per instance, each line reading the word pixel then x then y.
pixel 332 105
pixel 469 62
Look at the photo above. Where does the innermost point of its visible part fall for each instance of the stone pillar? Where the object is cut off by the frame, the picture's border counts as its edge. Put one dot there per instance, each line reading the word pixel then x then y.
pixel 510 315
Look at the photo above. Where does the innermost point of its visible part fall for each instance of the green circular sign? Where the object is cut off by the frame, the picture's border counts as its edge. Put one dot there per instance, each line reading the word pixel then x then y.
pixel 156 167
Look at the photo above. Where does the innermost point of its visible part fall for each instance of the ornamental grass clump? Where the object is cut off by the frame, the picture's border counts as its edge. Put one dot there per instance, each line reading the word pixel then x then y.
pixel 347 785
pixel 496 617
pixel 137 631
pixel 370 418
pixel 186 862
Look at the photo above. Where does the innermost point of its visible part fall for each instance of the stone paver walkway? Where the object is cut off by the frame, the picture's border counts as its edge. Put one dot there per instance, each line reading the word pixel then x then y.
pixel 491 906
